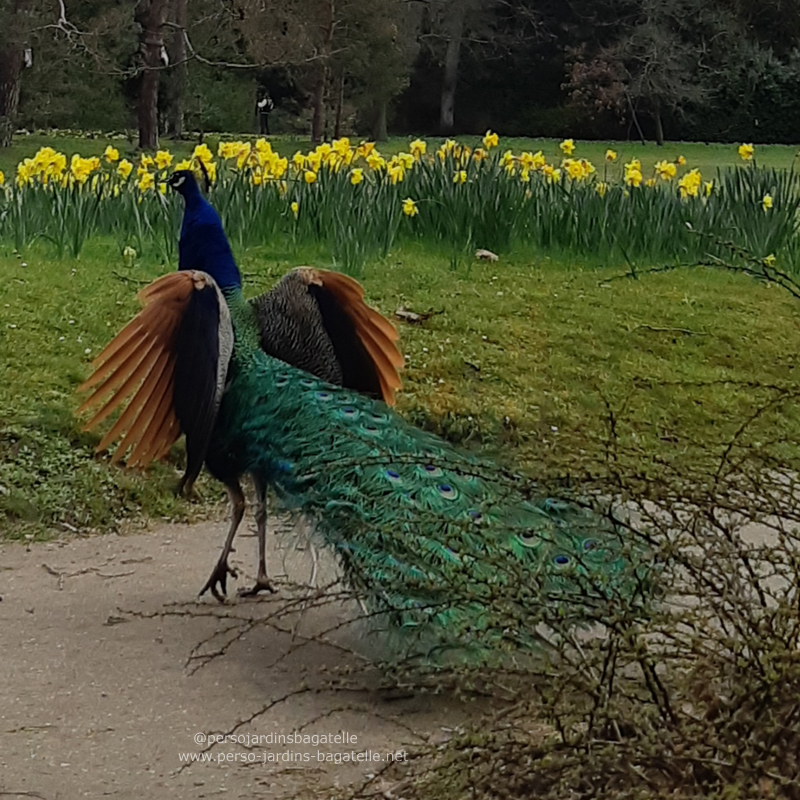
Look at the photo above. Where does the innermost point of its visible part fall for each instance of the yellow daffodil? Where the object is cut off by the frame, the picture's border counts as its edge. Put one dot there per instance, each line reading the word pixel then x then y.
pixel 709 186
pixel 146 181
pixel 181 165
pixel 650 183
pixel 418 148
pixel 375 160
pixel 162 187
pixel 396 173
pixel 341 146
pixel 479 154
pixel 364 149
pixel 202 153
pixel 770 260
pixel 666 170
pixel 295 208
pixel 746 152
pixel 2 178
pixel 601 188
pixel 356 176
pixel 449 145
pixel 573 169
pixel 410 207
pixel 460 177
pixel 633 174
pixel 680 161
pixel 163 159
pixel 766 202
pixel 299 161
pixel 490 140
pixel 309 176
pixel 111 154
pixel 147 161
pixel 611 155
pixel 552 174
pixel 689 185
pixel 263 146
pixel 124 168
pixel 406 159
pixel 567 147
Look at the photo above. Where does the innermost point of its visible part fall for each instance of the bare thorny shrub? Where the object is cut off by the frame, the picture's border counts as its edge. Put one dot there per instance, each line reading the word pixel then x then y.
pixel 698 694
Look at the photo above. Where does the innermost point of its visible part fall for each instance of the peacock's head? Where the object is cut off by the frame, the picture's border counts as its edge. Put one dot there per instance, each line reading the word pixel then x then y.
pixel 183 182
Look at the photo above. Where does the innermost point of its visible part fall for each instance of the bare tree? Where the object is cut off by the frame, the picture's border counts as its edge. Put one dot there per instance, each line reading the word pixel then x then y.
pixel 15 23
pixel 151 15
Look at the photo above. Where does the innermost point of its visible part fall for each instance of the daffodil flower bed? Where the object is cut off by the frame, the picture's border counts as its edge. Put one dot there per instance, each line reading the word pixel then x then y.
pixel 356 203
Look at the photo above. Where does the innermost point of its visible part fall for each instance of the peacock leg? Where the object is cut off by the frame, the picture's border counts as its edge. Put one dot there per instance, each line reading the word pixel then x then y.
pixel 262 583
pixel 219 575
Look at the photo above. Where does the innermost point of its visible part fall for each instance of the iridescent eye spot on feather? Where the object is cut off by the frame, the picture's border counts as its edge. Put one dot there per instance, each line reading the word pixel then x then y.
pixel 561 560
pixel 324 396
pixel 393 476
pixel 281 381
pixel 528 539
pixel 307 382
pixel 474 515
pixel 431 471
pixel 349 412
pixel 591 544
pixel 378 417
pixel 370 430
pixel 447 491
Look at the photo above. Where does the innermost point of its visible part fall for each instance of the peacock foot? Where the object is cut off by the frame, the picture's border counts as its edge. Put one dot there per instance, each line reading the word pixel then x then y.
pixel 261 585
pixel 219 578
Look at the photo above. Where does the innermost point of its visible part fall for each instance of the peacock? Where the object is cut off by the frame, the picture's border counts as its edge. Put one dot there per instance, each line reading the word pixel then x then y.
pixel 439 541
pixel 313 319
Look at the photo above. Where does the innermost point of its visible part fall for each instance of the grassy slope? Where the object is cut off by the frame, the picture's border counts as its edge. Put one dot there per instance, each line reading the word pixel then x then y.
pixel 708 158
pixel 522 358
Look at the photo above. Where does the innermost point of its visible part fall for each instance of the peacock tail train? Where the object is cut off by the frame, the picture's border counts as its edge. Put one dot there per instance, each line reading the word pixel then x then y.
pixel 438 540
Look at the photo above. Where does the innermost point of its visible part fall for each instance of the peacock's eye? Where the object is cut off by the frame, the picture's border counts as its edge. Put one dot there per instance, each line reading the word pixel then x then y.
pixel 393 475
pixel 561 560
pixel 349 411
pixel 529 538
pixel 324 395
pixel 591 544
pixel 307 382
pixel 446 491
pixel 475 515
pixel 431 471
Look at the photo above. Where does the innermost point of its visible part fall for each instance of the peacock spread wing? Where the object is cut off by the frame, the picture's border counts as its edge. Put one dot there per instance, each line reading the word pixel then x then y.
pixel 169 365
pixel 433 536
pixel 317 320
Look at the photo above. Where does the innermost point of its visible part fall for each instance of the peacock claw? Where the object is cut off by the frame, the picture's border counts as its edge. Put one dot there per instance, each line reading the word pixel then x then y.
pixel 261 585
pixel 219 577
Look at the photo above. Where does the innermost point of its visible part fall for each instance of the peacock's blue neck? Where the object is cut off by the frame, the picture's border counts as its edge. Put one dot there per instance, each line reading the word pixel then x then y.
pixel 203 244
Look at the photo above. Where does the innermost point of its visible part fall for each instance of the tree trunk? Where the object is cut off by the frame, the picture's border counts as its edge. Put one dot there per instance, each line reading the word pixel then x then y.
pixel 151 16
pixel 11 62
pixel 454 28
pixel 318 120
pixel 337 125
pixel 657 121
pixel 318 98
pixel 179 71
pixel 379 131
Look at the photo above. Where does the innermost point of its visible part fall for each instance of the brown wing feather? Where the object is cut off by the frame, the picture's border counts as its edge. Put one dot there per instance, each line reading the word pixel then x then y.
pixel 138 366
pixel 375 332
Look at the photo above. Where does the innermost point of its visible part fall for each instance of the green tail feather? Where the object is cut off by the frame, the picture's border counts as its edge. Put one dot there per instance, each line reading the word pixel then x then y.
pixel 441 541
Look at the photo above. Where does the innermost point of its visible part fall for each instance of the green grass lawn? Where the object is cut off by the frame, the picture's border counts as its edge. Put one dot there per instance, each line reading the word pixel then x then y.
pixel 525 357
pixel 706 157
